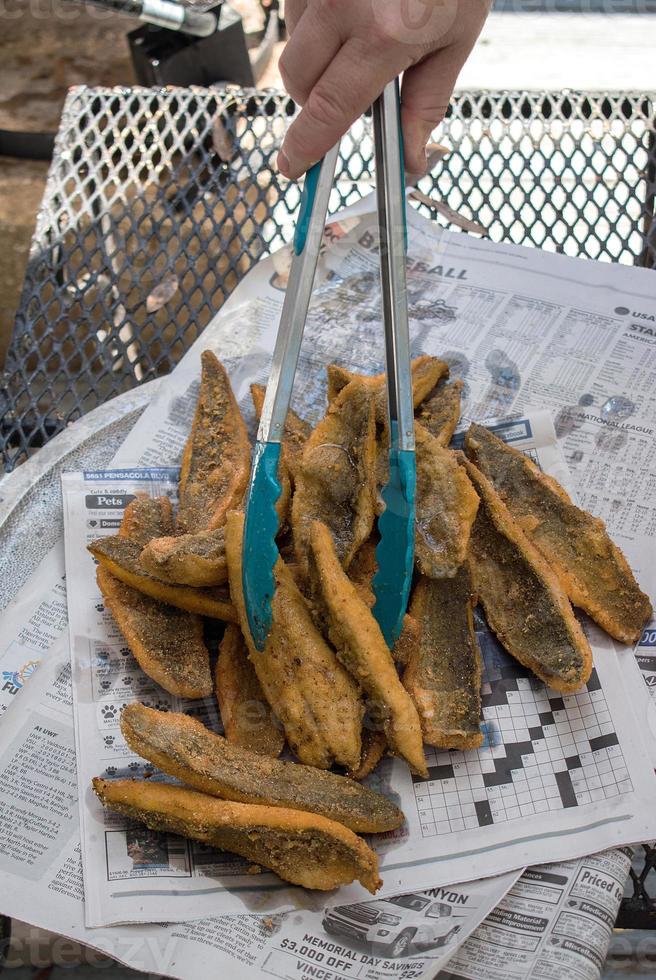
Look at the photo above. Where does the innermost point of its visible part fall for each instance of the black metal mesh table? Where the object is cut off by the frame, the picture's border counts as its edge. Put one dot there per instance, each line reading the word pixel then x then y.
pixel 145 197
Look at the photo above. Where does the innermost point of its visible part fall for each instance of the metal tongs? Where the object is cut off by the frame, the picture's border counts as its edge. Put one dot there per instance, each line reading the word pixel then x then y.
pixel 395 551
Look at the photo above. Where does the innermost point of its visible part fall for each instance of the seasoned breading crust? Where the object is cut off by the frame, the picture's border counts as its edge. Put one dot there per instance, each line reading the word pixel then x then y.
pixel 446 505
pixel 362 649
pixel 188 559
pixel 308 689
pixel 440 411
pixel 300 847
pixel 524 602
pixel 217 456
pixel 184 748
pixel 374 746
pixel 146 518
pixel 592 570
pixel 247 718
pixel 335 481
pixel 121 557
pixel 166 642
pixel 443 673
pixel 426 372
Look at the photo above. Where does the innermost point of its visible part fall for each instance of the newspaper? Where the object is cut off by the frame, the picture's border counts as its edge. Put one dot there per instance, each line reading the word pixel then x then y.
pixel 472 301
pixel 41 869
pixel 569 768
pixel 47 890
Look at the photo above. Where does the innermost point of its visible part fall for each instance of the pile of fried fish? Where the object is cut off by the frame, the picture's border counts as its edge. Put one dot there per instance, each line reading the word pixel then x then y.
pixel 491 528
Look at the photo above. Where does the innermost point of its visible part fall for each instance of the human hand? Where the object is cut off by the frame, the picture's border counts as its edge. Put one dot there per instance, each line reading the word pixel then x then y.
pixel 342 53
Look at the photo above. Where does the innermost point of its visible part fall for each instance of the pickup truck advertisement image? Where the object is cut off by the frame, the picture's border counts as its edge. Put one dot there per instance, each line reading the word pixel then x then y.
pixel 394 927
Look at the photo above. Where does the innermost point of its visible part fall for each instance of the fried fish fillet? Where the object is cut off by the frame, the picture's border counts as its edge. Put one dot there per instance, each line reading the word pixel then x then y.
pixel 523 599
pixel 316 700
pixel 374 746
pixel 247 719
pixel 336 480
pixel 184 748
pixel 188 559
pixel 592 570
pixel 166 642
pixel 362 649
pixel 426 372
pixel 446 505
pixel 439 413
pixel 300 847
pixel 145 518
pixel 121 557
pixel 443 673
pixel 217 456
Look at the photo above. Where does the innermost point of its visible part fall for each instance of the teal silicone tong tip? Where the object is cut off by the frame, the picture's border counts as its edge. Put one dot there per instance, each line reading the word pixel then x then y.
pixel 307 204
pixel 396 550
pixel 260 552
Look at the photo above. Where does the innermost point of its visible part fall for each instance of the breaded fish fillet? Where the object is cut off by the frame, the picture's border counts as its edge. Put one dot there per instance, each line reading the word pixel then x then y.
pixel 184 748
pixel 374 747
pixel 146 518
pixel 524 602
pixel 362 649
pixel 217 456
pixel 335 481
pixel 440 411
pixel 300 847
pixel 426 372
pixel 188 559
pixel 592 570
pixel 166 642
pixel 121 557
pixel 446 505
pixel 443 673
pixel 247 718
pixel 316 700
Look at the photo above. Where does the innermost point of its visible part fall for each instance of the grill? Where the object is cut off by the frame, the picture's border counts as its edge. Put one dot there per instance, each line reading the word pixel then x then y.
pixel 149 198
pixel 153 211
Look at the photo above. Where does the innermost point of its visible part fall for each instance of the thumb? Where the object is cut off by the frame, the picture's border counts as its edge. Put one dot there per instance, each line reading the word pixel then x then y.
pixel 425 94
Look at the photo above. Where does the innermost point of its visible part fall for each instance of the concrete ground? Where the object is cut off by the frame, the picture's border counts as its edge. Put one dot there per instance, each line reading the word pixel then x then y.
pixel 48 45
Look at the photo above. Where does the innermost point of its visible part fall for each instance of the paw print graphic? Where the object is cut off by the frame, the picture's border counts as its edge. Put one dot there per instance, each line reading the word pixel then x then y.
pixel 111 770
pixel 108 740
pixel 108 711
pixel 125 651
pixel 148 771
pixel 127 681
pixel 99 607
pixel 102 656
pixel 161 706
pixel 133 766
pixel 105 685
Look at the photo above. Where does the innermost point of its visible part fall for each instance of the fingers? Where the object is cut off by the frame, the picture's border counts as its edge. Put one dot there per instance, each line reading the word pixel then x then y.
pixel 315 42
pixel 293 12
pixel 355 77
pixel 425 95
pixel 428 86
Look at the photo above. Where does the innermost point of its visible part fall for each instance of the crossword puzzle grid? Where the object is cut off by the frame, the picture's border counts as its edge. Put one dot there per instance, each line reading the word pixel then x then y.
pixel 543 751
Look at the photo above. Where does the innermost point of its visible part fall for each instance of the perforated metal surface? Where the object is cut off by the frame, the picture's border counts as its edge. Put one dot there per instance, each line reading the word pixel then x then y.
pixel 143 201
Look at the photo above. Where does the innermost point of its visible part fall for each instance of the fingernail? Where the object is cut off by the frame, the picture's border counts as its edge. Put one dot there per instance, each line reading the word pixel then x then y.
pixel 282 164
